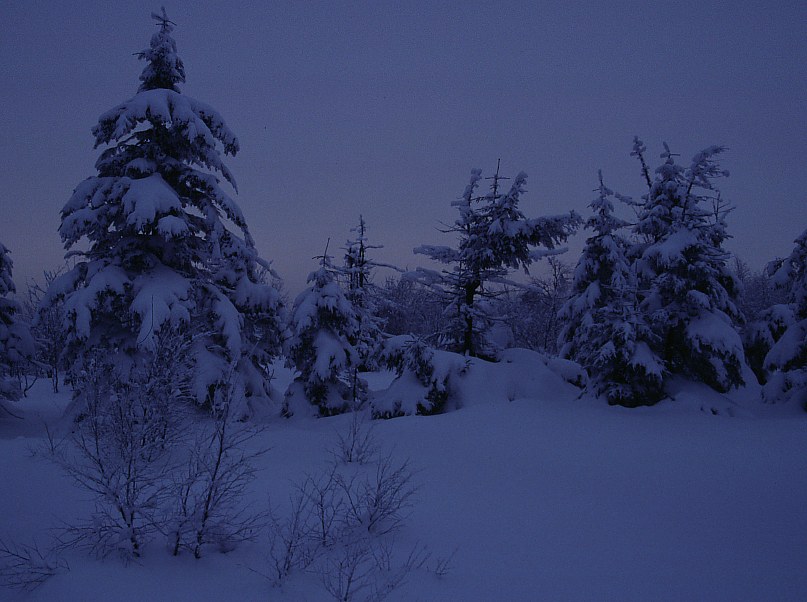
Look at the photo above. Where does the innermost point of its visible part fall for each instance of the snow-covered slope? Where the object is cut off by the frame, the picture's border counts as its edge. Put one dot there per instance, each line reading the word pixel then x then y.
pixel 538 494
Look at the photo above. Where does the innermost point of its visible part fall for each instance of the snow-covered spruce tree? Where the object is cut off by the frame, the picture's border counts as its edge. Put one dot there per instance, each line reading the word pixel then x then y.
pixel 603 330
pixel 160 252
pixel 786 362
pixel 323 324
pixel 687 290
pixel 762 334
pixel 493 238
pixel 16 344
pixel 361 293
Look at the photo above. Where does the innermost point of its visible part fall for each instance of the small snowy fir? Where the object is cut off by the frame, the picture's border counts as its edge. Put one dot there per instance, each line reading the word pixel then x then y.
pixel 323 324
pixel 357 273
pixel 687 293
pixel 16 344
pixel 603 331
pixel 787 359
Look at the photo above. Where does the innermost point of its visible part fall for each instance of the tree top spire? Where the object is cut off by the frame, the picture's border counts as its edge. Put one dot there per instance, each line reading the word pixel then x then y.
pixel 163 21
pixel 164 68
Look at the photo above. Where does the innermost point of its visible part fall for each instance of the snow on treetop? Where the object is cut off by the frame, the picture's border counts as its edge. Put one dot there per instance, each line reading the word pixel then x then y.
pixel 164 68
pixel 6 283
pixel 199 123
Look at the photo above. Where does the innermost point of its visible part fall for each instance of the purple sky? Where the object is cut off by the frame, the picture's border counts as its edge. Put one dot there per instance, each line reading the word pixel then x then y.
pixel 383 108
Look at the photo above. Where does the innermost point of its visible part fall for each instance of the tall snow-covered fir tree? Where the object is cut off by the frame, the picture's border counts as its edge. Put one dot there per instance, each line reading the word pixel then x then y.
pixel 16 344
pixel 323 325
pixel 493 238
pixel 688 292
pixel 787 358
pixel 161 254
pixel 603 329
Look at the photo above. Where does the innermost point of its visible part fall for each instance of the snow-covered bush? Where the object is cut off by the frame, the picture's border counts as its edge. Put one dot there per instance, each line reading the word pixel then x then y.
pixel 323 324
pixel 424 378
pixel 493 238
pixel 17 347
pixel 161 253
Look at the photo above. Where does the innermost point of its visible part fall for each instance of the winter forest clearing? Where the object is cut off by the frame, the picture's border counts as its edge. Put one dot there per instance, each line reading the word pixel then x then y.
pixel 173 426
pixel 545 496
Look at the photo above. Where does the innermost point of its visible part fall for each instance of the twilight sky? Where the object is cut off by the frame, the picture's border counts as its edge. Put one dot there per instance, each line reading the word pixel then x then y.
pixel 383 108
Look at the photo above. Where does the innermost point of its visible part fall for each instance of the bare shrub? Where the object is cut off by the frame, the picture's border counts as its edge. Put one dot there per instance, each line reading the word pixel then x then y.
pixel 349 571
pixel 358 445
pixel 365 569
pixel 206 498
pixel 340 524
pixel 27 566
pixel 120 453
pixel 379 503
pixel 443 565
pixel 290 538
pixel 326 507
pixel 330 512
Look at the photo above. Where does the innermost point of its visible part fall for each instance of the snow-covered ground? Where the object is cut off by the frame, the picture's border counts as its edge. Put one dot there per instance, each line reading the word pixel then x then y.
pixel 538 494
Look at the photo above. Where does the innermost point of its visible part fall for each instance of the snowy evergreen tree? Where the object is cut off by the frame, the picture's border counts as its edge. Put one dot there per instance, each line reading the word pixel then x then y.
pixel 603 330
pixel 787 358
pixel 362 294
pixel 323 324
pixel 16 344
pixel 762 334
pixel 790 275
pixel 494 237
pixel 160 253
pixel 687 291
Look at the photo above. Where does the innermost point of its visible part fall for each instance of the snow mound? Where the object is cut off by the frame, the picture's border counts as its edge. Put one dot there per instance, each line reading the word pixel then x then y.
pixel 687 395
pixel 519 374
